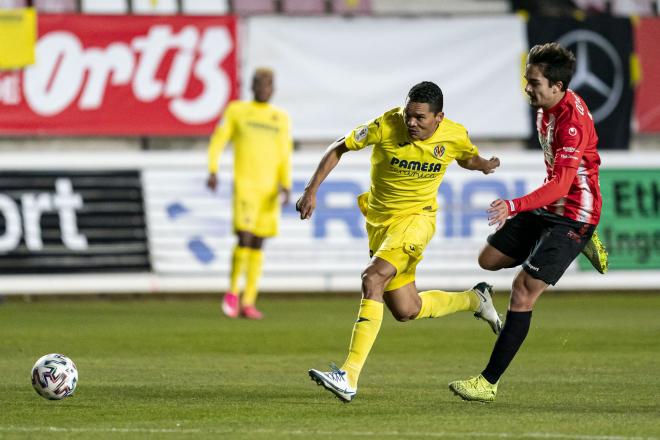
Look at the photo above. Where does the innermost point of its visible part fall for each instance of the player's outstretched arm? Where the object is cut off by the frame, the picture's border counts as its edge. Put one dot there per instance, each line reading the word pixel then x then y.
pixel 552 190
pixel 478 163
pixel 307 202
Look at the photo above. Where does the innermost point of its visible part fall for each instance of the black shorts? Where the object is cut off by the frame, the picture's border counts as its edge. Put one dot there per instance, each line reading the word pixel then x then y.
pixel 544 243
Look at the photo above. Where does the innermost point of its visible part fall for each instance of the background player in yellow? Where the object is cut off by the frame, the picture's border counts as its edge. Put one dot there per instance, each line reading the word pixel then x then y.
pixel 412 148
pixel 262 144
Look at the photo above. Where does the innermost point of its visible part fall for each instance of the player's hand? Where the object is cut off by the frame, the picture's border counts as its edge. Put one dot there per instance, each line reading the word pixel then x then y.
pixel 498 213
pixel 212 182
pixel 306 205
pixel 286 195
pixel 490 166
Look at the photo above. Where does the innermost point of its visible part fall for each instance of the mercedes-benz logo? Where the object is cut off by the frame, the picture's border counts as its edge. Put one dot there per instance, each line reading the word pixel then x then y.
pixel 587 45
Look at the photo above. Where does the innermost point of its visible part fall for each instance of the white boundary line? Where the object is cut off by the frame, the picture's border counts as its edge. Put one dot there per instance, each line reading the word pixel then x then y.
pixel 303 433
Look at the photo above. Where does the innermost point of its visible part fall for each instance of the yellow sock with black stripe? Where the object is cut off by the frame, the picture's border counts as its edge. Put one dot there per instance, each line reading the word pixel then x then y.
pixel 365 332
pixel 436 303
pixel 238 263
pixel 255 263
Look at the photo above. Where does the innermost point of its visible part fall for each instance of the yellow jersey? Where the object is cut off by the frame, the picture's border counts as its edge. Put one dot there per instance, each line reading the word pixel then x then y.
pixel 406 173
pixel 260 134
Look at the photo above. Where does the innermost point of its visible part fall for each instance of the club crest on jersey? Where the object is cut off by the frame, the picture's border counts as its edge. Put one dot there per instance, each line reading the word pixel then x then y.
pixel 438 151
pixel 361 133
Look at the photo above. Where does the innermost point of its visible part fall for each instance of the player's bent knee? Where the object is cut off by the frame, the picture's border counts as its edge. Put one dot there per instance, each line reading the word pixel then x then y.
pixel 373 285
pixel 487 263
pixel 405 315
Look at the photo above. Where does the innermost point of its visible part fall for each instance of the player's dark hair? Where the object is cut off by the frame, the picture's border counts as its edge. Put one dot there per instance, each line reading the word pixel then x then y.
pixel 555 62
pixel 427 92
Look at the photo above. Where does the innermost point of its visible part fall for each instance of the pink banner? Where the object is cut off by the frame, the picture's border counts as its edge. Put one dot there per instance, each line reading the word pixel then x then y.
pixel 123 75
pixel 647 108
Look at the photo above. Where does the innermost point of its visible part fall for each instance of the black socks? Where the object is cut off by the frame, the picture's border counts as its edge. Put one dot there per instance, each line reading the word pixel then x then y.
pixel 511 338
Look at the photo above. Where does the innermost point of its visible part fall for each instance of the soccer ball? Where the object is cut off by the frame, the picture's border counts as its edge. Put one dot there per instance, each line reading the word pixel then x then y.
pixel 54 376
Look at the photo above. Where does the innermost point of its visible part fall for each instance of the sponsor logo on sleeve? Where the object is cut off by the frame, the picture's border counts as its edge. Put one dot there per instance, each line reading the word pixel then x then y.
pixel 361 133
pixel 572 131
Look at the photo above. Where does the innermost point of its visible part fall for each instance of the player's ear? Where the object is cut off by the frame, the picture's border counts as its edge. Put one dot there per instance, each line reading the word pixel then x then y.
pixel 439 117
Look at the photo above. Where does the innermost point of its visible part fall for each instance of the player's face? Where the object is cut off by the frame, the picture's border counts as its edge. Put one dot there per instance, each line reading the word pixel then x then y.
pixel 420 120
pixel 538 88
pixel 262 87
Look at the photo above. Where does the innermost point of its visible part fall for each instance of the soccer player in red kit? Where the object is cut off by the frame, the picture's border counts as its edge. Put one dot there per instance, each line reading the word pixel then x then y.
pixel 545 230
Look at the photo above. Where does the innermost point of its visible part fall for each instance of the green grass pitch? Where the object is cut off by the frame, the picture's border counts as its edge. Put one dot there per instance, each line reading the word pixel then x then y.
pixel 589 370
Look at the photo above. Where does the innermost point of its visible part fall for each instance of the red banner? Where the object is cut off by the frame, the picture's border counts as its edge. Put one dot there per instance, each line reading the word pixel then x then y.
pixel 123 75
pixel 647 108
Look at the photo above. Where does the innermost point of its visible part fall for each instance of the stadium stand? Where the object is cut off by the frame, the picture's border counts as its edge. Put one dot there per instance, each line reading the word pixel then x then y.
pixel 249 7
pixel 352 7
pixel 148 7
pixel 419 7
pixel 620 7
pixel 304 7
pixel 12 3
pixel 343 7
pixel 104 7
pixel 56 6
pixel 203 7
pixel 246 8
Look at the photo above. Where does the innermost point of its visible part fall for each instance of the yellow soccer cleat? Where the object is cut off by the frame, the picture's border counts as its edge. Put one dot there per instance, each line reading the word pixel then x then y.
pixel 476 389
pixel 596 253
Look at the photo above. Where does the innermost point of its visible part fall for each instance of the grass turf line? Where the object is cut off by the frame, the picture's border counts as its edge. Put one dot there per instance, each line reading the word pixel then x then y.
pixel 177 369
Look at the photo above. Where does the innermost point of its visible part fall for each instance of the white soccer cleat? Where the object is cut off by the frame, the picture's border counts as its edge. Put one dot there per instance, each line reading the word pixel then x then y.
pixel 487 310
pixel 335 382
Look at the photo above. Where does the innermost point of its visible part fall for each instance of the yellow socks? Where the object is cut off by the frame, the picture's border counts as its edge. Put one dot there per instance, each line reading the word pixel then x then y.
pixel 436 303
pixel 238 264
pixel 255 263
pixel 365 331
pixel 250 260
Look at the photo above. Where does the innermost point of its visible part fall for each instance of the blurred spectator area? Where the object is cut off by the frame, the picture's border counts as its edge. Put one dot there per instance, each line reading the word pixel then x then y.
pixel 575 7
pixel 251 7
pixel 246 8
pixel 343 7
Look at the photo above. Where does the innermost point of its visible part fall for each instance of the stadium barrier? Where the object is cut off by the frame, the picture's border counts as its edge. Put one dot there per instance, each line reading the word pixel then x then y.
pixel 73 222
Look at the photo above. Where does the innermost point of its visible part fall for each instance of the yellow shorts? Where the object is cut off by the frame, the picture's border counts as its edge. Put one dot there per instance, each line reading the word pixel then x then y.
pixel 401 243
pixel 256 213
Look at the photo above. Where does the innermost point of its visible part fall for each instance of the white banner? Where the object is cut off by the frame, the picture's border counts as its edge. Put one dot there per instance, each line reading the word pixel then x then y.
pixel 190 232
pixel 334 73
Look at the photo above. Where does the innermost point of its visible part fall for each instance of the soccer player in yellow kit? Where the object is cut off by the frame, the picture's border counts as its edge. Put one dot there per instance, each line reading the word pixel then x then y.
pixel 412 148
pixel 262 143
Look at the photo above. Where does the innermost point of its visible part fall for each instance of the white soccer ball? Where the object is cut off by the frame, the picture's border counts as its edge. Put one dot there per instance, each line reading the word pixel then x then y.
pixel 54 376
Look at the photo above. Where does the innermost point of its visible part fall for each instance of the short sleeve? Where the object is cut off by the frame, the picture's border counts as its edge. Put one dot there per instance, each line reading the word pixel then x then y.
pixel 365 135
pixel 466 149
